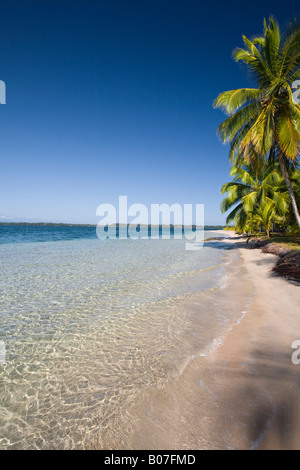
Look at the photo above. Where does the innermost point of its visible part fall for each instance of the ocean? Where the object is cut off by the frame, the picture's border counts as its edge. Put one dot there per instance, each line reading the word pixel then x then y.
pixel 90 325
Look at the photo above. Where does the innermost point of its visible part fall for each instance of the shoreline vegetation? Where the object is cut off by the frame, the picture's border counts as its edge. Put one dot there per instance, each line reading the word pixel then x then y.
pixel 287 250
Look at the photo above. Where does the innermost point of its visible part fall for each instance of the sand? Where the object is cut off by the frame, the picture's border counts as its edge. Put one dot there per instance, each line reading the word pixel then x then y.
pixel 246 393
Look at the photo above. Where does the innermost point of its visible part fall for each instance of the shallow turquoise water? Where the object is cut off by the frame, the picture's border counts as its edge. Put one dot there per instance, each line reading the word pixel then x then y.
pixel 89 325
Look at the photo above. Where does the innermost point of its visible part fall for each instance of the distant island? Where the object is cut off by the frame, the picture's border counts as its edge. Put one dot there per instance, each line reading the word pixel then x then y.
pixel 61 224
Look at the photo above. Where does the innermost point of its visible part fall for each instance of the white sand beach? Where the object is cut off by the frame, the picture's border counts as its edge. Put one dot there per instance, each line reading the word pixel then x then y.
pixel 246 393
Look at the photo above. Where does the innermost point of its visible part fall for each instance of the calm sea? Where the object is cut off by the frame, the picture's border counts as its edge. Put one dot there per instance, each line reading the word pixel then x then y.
pixel 89 325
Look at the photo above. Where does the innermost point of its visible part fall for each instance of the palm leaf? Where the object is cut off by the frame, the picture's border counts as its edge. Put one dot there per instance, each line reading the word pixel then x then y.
pixel 288 135
pixel 230 101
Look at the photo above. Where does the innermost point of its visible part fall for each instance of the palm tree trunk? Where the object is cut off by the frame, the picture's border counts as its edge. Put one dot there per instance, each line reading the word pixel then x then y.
pixel 289 187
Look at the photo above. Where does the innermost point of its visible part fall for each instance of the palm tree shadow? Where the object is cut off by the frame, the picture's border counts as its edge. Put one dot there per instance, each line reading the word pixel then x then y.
pixel 269 395
pixel 221 243
pixel 226 243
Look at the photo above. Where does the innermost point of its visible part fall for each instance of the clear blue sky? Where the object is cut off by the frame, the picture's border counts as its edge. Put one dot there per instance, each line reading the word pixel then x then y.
pixel 114 97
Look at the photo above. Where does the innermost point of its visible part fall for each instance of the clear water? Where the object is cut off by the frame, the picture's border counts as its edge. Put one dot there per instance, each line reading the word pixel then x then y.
pixel 90 324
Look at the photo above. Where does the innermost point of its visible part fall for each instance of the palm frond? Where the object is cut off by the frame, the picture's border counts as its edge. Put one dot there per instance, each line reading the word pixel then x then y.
pixel 288 135
pixel 230 101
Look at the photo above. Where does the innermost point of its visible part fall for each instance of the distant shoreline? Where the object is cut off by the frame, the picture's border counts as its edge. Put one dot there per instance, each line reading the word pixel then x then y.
pixel 62 224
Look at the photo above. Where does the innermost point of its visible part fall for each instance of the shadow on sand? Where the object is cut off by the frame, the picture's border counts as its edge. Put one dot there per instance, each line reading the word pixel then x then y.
pixel 227 243
pixel 268 405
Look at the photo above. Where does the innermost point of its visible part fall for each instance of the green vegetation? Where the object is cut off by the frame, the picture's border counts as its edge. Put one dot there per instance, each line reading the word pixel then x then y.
pixel 290 243
pixel 263 129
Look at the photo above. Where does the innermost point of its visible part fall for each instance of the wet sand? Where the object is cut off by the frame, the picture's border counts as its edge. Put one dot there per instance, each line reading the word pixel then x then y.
pixel 246 393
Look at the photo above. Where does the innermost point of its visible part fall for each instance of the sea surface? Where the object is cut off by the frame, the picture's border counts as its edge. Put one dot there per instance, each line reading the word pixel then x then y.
pixel 89 325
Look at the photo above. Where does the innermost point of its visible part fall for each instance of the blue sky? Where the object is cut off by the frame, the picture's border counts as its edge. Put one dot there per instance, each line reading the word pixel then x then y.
pixel 114 97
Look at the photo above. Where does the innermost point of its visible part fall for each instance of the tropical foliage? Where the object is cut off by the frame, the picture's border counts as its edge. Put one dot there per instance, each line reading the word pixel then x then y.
pixel 263 129
pixel 258 196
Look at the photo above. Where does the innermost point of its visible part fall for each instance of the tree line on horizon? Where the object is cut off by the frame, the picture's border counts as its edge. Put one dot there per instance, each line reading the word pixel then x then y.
pixel 263 130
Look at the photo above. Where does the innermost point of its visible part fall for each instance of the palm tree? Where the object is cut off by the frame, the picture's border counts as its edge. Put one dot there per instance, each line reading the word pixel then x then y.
pixel 290 223
pixel 253 189
pixel 266 216
pixel 266 120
